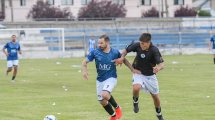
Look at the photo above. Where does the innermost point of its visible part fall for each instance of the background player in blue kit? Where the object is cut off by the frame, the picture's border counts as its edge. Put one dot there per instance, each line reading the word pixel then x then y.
pixel 212 46
pixel 11 50
pixel 104 57
pixel 91 44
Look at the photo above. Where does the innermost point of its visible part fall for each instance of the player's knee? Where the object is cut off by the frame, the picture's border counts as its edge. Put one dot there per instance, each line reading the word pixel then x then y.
pixel 9 69
pixel 15 67
pixel 105 95
pixel 155 97
pixel 103 102
pixel 136 88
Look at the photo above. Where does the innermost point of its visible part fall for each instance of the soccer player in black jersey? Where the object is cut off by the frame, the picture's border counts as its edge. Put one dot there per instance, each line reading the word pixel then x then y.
pixel 147 63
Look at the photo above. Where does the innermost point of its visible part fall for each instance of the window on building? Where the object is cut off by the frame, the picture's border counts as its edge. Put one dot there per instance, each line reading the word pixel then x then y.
pixel 85 2
pixel 22 2
pixel 179 2
pixel 121 2
pixel 67 2
pixel 51 2
pixel 146 2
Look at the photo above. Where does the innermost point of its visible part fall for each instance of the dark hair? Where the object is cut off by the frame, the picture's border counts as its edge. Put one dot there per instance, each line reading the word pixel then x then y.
pixel 13 35
pixel 106 38
pixel 145 37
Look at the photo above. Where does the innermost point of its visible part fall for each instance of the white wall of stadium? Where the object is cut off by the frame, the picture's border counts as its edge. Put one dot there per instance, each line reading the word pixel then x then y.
pixel 20 8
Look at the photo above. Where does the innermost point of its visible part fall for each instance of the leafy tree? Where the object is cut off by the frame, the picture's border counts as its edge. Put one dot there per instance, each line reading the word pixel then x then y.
pixel 204 13
pixel 102 9
pixel 185 12
pixel 45 10
pixel 153 12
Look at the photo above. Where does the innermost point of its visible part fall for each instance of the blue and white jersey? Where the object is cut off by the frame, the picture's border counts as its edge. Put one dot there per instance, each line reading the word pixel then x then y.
pixel 105 66
pixel 91 45
pixel 12 49
pixel 213 42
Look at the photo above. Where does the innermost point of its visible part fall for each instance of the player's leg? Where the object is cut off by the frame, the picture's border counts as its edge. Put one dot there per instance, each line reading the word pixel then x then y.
pixel 15 66
pixel 214 57
pixel 9 69
pixel 15 69
pixel 116 107
pixel 213 52
pixel 151 84
pixel 9 66
pixel 137 86
pixel 106 94
pixel 157 105
pixel 108 87
pixel 107 106
pixel 136 90
pixel 103 97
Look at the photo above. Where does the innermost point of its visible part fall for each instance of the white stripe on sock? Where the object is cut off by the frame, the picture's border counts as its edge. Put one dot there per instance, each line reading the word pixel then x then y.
pixel 158 114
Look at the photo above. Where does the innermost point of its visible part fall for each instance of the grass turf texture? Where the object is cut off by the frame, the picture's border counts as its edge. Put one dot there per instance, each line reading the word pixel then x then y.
pixel 55 86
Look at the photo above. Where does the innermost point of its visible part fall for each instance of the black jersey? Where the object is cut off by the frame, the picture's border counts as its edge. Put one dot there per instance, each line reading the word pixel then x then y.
pixel 145 60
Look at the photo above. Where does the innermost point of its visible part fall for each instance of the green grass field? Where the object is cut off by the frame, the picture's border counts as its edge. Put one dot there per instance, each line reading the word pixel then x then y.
pixel 55 86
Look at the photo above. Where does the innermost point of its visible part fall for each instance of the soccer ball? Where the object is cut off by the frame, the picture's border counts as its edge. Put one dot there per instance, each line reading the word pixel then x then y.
pixel 50 117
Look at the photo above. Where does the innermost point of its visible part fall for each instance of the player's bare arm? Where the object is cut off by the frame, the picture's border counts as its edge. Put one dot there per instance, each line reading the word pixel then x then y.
pixel 84 70
pixel 209 45
pixel 128 64
pixel 158 67
pixel 5 52
pixel 123 54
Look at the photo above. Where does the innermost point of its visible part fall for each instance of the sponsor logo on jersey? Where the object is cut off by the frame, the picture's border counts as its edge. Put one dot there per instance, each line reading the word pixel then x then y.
pixel 13 51
pixel 104 67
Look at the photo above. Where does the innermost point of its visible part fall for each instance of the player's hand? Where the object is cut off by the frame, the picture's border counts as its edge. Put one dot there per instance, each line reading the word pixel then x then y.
pixel 85 75
pixel 156 69
pixel 6 54
pixel 135 71
pixel 118 61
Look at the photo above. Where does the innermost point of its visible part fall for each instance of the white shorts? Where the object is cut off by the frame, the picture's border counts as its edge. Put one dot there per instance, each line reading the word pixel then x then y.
pixel 213 51
pixel 107 85
pixel 11 63
pixel 149 83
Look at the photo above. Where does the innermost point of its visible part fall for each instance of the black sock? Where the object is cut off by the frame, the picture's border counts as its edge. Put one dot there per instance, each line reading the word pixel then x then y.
pixel 214 60
pixel 110 110
pixel 158 110
pixel 113 102
pixel 135 99
pixel 13 77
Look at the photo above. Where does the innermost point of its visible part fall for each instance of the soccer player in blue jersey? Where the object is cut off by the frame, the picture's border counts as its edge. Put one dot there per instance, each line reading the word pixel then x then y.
pixel 104 57
pixel 212 46
pixel 91 44
pixel 11 50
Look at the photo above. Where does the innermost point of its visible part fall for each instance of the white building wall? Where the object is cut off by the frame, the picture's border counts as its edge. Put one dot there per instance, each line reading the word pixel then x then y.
pixel 19 12
pixel 134 8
